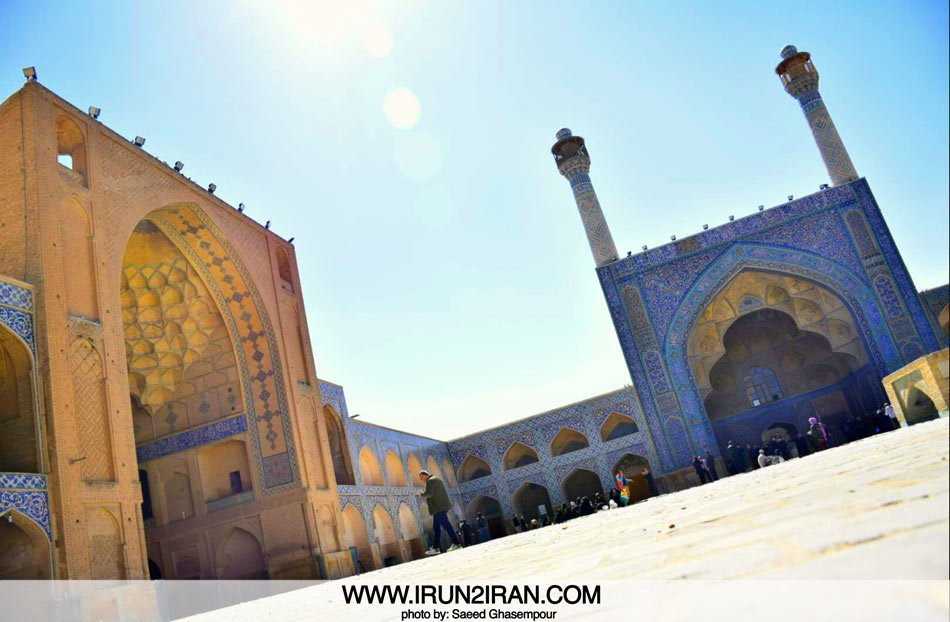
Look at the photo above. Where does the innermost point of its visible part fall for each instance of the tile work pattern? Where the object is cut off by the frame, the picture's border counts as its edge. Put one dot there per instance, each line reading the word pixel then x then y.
pixel 242 308
pixel 836 237
pixel 381 440
pixel 28 494
pixel 16 310
pixel 537 433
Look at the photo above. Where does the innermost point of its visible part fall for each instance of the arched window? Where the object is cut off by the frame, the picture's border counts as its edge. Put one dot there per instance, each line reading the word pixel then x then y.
pixel 616 426
pixel 71 148
pixel 761 386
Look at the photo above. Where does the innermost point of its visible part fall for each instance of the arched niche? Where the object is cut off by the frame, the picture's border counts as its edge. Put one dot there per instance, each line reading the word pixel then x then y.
pixel 944 320
pixel 24 548
pixel 395 470
pixel 370 470
pixel 283 270
pixel 634 467
pixel 490 508
pixel 767 358
pixel 356 535
pixel 581 483
pixel 616 426
pixel 415 465
pixel 385 533
pixel 71 149
pixel 528 498
pixel 224 469
pixel 79 260
pixel 339 450
pixel 567 441
pixel 18 423
pixel 472 468
pixel 518 455
pixel 240 556
pixel 433 468
pixel 449 474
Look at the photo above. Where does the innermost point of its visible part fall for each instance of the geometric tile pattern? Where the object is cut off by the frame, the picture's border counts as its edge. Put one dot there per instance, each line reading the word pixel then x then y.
pixel 27 493
pixel 16 310
pixel 836 238
pixel 189 439
pixel 243 310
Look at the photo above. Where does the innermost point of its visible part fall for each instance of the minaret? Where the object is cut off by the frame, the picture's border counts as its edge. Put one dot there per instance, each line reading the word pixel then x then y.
pixel 800 79
pixel 574 163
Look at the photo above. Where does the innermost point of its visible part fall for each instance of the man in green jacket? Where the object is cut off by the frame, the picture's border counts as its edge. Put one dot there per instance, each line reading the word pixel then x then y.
pixel 439 504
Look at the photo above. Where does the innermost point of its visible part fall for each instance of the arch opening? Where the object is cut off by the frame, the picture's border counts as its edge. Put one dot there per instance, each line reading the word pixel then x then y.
pixel 24 548
pixel 18 422
pixel 634 468
pixel 582 483
pixel 370 470
pixel 385 535
pixel 240 557
pixel 473 467
pixel 568 440
pixel 395 470
pixel 356 537
pixel 415 465
pixel 490 508
pixel 772 348
pixel 518 455
pixel 617 426
pixel 339 449
pixel 528 500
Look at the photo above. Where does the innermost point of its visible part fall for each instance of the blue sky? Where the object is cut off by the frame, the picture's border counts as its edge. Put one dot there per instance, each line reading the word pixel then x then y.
pixel 448 282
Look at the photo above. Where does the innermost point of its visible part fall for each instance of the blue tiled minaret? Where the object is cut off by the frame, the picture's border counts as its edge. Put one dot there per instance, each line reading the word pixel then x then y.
pixel 572 160
pixel 800 79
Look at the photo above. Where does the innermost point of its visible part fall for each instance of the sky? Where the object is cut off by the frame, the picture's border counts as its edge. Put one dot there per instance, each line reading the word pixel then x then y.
pixel 405 146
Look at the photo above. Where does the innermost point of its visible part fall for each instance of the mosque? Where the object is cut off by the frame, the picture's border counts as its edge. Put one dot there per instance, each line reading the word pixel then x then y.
pixel 161 414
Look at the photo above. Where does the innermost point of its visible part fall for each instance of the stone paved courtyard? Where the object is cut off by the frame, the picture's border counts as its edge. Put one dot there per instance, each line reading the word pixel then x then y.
pixel 875 509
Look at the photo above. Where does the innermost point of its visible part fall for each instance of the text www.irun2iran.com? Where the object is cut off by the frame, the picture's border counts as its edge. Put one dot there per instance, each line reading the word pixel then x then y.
pixel 471 595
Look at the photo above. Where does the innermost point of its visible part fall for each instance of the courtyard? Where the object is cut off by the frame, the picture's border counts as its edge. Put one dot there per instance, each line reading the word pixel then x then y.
pixel 876 510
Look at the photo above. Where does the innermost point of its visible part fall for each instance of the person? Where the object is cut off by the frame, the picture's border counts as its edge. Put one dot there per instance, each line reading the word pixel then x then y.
pixel 651 483
pixel 516 523
pixel 622 487
pixel 783 448
pixel 534 524
pixel 765 460
pixel 710 464
pixel 801 444
pixel 467 535
pixel 587 508
pixel 439 504
pixel 817 435
pixel 522 523
pixel 738 457
pixel 892 415
pixel 481 523
pixel 700 470
pixel 611 504
pixel 752 455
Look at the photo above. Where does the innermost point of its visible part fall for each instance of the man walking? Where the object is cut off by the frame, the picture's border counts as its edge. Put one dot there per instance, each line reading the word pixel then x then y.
pixel 439 504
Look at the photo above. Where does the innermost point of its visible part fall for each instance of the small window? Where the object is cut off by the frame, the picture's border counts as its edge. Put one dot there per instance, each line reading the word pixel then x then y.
pixel 761 386
pixel 236 487
pixel 65 160
pixel 71 148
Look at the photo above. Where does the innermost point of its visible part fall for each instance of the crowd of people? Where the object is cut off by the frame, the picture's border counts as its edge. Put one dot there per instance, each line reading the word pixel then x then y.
pixel 737 458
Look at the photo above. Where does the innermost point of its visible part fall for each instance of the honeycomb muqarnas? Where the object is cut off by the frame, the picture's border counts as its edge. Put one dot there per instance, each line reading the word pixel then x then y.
pixel 169 317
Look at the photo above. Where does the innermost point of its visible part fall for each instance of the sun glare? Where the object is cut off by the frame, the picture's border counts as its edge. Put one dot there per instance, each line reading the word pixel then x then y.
pixel 378 40
pixel 401 108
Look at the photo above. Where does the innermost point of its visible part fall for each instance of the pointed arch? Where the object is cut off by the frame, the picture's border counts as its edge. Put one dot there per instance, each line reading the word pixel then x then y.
pixel 24 548
pixel 581 483
pixel 356 535
pixel 339 448
pixel 71 149
pixel 283 270
pixel 634 468
pixel 473 467
pixel 370 470
pixel 415 465
pixel 79 260
pixel 433 467
pixel 568 440
pixel 616 426
pixel 449 473
pixel 19 426
pixel 528 498
pixel 240 556
pixel 395 470
pixel 490 508
pixel 518 455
